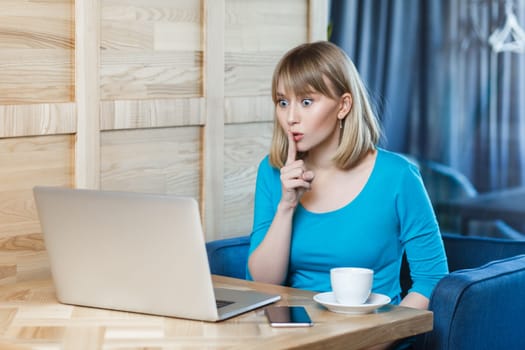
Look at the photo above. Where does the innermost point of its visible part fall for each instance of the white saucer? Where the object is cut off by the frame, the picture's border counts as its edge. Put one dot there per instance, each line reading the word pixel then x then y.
pixel 374 302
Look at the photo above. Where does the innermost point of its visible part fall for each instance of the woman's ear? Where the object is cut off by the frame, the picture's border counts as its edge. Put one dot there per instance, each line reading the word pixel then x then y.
pixel 345 106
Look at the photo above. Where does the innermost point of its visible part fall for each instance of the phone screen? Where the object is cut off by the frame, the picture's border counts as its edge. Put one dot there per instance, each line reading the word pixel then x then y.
pixel 288 316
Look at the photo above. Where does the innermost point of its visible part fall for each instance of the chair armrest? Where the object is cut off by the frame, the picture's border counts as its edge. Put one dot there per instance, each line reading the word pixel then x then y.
pixel 480 308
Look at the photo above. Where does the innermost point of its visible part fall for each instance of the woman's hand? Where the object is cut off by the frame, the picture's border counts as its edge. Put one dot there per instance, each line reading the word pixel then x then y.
pixel 295 178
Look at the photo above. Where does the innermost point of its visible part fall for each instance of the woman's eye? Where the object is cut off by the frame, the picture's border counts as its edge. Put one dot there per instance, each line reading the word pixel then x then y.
pixel 307 102
pixel 282 103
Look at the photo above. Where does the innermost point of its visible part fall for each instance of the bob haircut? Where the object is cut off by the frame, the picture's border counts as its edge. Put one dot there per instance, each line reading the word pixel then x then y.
pixel 324 68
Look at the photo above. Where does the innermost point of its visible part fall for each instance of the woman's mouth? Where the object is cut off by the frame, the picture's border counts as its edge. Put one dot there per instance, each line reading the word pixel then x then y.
pixel 297 136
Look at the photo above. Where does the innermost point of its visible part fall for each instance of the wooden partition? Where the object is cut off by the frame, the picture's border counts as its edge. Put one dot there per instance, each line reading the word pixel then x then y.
pixel 159 96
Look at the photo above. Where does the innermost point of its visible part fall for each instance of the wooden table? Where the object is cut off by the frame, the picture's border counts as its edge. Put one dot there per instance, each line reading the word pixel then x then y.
pixel 30 317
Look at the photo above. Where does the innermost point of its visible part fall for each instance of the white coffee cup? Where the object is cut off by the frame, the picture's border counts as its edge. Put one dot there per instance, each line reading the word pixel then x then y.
pixel 351 285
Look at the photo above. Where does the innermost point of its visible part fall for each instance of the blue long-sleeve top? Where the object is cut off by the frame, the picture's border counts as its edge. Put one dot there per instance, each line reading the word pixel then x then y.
pixel 391 214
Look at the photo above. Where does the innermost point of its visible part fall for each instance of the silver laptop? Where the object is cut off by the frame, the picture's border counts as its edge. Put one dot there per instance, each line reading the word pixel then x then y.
pixel 134 252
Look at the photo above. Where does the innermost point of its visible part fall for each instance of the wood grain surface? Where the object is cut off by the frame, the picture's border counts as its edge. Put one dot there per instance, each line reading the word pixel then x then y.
pixel 30 317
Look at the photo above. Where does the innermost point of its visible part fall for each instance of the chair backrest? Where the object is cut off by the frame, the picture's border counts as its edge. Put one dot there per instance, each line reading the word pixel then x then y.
pixel 464 252
pixel 481 308
pixel 443 184
pixel 229 256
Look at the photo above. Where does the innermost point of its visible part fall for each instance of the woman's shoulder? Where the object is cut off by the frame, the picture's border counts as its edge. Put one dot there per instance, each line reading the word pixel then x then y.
pixel 398 169
pixel 266 167
pixel 265 163
pixel 396 160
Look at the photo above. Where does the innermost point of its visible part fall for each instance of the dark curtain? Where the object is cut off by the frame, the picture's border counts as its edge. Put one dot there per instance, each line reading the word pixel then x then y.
pixel 441 90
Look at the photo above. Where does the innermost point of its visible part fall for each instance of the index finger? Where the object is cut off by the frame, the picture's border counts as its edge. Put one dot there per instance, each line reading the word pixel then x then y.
pixel 292 149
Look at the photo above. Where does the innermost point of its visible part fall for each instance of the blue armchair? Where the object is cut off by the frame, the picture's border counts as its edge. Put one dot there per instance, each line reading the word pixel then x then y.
pixel 480 308
pixel 229 256
pixel 479 305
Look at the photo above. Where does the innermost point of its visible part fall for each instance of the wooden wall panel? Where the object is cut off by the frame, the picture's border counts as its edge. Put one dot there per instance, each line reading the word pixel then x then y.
pixel 36 42
pixel 257 33
pixel 37 119
pixel 26 162
pixel 133 114
pixel 245 145
pixel 265 25
pixel 163 96
pixel 247 109
pixel 150 49
pixel 152 160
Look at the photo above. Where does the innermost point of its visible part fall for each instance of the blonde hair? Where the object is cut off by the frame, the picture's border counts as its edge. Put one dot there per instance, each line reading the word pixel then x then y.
pixel 324 68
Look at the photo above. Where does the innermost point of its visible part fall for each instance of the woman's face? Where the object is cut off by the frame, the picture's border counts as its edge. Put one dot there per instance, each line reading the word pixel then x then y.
pixel 312 119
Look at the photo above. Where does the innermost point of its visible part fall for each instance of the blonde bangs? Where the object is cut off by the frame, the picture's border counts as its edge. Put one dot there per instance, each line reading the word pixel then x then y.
pixel 300 74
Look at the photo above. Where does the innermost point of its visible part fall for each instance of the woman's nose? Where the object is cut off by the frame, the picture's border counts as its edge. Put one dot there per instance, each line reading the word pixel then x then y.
pixel 293 117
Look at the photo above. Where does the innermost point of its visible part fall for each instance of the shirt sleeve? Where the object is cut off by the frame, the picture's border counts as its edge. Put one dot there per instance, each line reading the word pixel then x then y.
pixel 419 234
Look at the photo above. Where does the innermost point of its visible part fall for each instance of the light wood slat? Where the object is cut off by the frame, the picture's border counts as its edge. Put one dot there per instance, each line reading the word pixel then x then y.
pixel 7 274
pixel 317 20
pixel 36 32
pixel 256 37
pixel 262 25
pixel 153 75
pixel 152 160
pixel 151 113
pixel 178 36
pixel 36 25
pixel 36 41
pixel 160 25
pixel 126 36
pixel 151 49
pixel 30 10
pixel 245 146
pixel 152 11
pixel 250 73
pixel 87 151
pixel 247 109
pixel 18 213
pixel 33 264
pixel 26 162
pixel 37 119
pixel 23 258
pixel 40 65
pixel 213 149
pixel 35 76
pixel 93 338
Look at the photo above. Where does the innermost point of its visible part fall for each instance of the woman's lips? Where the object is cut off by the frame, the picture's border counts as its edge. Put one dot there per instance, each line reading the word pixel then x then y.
pixel 297 137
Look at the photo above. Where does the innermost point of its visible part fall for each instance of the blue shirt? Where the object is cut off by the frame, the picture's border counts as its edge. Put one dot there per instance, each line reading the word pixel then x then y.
pixel 391 214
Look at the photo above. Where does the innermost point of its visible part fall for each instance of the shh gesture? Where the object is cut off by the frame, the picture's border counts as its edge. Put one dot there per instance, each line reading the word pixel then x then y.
pixel 295 178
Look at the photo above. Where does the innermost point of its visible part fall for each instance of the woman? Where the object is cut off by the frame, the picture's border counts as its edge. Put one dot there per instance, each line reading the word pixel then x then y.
pixel 328 196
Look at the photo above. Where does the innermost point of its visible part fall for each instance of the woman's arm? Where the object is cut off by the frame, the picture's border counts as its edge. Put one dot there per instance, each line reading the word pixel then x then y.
pixel 269 261
pixel 415 300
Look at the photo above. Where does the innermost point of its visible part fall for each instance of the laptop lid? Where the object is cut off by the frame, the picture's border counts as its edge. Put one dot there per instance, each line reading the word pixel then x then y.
pixel 132 251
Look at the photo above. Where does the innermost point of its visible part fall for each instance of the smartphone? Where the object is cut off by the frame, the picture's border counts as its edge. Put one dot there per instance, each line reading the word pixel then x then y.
pixel 288 316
